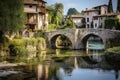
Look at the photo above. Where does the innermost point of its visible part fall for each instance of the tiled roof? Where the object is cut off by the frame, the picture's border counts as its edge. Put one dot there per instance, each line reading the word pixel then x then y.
pixel 107 15
pixel 77 16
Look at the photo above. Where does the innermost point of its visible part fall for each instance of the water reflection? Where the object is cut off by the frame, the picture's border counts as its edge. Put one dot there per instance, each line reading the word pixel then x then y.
pixel 78 66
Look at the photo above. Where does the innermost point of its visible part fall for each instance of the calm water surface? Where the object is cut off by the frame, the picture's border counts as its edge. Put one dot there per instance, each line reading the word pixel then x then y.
pixel 61 65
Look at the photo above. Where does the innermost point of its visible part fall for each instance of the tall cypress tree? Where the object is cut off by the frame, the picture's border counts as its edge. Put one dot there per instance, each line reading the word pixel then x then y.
pixel 118 5
pixel 110 7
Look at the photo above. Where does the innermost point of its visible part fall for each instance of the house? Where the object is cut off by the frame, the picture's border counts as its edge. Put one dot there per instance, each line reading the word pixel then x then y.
pixel 99 20
pixel 77 19
pixel 95 17
pixel 36 15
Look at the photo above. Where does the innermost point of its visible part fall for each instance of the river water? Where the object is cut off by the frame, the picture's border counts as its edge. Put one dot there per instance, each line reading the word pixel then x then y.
pixel 61 65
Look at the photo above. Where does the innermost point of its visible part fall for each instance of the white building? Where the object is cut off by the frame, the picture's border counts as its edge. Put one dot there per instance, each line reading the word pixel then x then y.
pixel 77 19
pixel 95 17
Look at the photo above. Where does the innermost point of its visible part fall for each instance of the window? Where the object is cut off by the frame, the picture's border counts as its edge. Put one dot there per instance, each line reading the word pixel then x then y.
pixel 87 13
pixel 87 25
pixel 95 18
pixel 95 24
pixel 30 6
pixel 87 19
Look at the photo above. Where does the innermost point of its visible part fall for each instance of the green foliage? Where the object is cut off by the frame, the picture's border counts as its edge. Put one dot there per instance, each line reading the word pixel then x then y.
pixel 11 18
pixel 63 41
pixel 118 5
pixel 52 27
pixel 39 33
pixel 11 15
pixel 55 13
pixel 110 7
pixel 18 46
pixel 83 23
pixel 72 11
pixel 113 42
pixel 69 23
pixel 3 41
pixel 111 23
pixel 114 49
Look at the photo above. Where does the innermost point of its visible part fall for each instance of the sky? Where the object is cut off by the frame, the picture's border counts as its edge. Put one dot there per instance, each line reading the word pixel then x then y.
pixel 80 4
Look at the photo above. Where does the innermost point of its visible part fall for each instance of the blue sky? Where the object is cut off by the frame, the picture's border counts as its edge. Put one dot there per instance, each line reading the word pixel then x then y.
pixel 80 4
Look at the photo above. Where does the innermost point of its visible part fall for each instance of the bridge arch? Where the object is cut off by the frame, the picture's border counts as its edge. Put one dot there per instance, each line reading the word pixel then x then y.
pixel 85 38
pixel 53 38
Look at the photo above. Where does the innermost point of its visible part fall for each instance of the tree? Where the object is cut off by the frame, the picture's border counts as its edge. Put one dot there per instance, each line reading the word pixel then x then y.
pixel 11 19
pixel 110 7
pixel 55 13
pixel 111 23
pixel 118 5
pixel 83 23
pixel 11 16
pixel 72 11
pixel 58 13
pixel 69 23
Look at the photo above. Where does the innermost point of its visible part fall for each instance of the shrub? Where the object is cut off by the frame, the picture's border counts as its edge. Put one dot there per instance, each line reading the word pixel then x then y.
pixel 111 23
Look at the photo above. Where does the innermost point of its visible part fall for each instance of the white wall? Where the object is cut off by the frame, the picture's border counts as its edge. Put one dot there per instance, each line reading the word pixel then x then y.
pixel 90 16
pixel 77 21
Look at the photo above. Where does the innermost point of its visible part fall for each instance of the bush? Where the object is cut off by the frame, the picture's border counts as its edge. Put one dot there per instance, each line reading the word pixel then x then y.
pixel 114 49
pixel 52 27
pixel 113 42
pixel 111 23
pixel 40 33
pixel 18 46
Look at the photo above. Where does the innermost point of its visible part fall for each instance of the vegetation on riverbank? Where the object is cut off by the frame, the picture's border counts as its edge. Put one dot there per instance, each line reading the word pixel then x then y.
pixel 114 49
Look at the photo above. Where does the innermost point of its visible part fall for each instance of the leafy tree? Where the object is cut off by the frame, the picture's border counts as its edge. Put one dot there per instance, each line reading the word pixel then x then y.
pixel 110 7
pixel 69 23
pixel 11 18
pixel 55 13
pixel 72 11
pixel 118 5
pixel 83 23
pixel 111 23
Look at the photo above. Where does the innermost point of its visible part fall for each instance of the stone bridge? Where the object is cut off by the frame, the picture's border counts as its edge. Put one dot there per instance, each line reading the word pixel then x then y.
pixel 79 37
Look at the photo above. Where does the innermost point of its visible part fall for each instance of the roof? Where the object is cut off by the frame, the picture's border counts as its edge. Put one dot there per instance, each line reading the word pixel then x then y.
pixel 107 15
pixel 77 16
pixel 33 2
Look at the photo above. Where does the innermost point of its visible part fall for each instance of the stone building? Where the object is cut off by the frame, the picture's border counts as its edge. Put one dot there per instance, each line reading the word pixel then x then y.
pixel 90 16
pixel 36 15
pixel 95 17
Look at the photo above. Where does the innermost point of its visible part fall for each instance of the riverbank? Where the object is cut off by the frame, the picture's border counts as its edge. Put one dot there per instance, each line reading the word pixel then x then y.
pixel 113 56
pixel 7 65
pixel 114 49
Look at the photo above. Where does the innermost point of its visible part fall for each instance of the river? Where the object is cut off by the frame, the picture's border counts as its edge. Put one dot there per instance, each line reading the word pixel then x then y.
pixel 60 65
